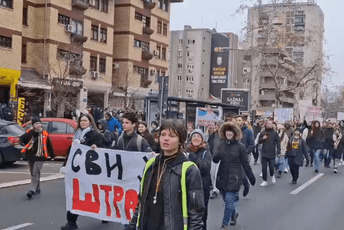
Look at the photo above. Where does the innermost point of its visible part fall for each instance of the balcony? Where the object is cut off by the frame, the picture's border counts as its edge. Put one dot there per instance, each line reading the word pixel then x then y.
pixel 173 1
pixel 147 30
pixel 267 85
pixel 267 97
pixel 148 4
pixel 287 100
pixel 82 5
pixel 79 38
pixel 147 55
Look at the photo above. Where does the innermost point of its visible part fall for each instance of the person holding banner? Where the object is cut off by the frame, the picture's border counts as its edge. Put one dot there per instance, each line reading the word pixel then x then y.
pixel 37 147
pixel 87 134
pixel 171 195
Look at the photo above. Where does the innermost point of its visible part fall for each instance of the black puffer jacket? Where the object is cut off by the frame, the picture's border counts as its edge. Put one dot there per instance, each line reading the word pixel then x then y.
pixel 172 197
pixel 107 137
pixel 271 144
pixel 202 158
pixel 233 157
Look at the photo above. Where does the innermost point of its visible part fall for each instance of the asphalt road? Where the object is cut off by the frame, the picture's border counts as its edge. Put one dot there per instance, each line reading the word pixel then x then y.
pixel 319 206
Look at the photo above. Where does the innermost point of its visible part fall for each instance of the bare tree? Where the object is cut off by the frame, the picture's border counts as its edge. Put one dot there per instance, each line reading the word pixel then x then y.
pixel 272 40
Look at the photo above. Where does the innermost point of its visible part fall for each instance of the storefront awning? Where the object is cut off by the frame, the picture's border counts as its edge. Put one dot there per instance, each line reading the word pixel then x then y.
pixel 97 86
pixel 30 78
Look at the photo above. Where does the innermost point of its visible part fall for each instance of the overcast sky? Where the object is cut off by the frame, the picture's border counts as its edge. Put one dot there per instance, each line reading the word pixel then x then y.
pixel 218 14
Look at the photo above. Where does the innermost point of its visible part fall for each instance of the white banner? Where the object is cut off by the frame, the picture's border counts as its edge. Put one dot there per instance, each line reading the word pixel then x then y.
pixel 340 116
pixel 283 114
pixel 103 183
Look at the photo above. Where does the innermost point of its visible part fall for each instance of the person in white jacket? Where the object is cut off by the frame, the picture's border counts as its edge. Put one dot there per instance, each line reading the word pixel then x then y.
pixel 284 143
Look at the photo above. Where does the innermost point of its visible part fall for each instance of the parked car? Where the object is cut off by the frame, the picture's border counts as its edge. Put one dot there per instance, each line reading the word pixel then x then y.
pixel 61 132
pixel 10 147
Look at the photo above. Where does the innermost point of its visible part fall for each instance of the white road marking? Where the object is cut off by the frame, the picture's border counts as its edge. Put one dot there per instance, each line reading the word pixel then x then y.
pixel 18 226
pixel 302 187
pixel 24 172
pixel 28 181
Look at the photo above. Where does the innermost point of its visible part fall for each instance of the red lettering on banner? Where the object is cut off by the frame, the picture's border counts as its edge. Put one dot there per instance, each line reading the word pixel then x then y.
pixel 107 190
pixel 87 205
pixel 117 197
pixel 131 201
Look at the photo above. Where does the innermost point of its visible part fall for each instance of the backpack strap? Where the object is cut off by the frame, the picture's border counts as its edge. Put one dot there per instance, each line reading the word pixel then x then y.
pixel 139 142
pixel 186 165
pixel 204 153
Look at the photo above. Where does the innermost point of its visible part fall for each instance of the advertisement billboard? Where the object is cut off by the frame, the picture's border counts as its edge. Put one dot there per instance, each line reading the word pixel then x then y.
pixel 218 65
pixel 236 97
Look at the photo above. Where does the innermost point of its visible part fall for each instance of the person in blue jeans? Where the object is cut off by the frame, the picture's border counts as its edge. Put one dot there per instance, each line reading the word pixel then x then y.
pixel 232 154
pixel 316 140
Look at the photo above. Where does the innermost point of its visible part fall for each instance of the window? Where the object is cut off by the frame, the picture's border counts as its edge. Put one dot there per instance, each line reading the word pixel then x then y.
pixel 180 41
pixel 159 27
pixel 137 43
pixel 6 3
pixel 93 63
pixel 24 52
pixel 163 54
pixel 165 29
pixel 158 48
pixel 191 41
pixel 70 129
pixel 103 35
pixel 190 79
pixel 160 4
pixel 102 65
pixel 58 127
pixel 94 33
pixel 247 57
pixel 179 79
pixel 162 73
pixel 145 46
pixel 180 67
pixel 190 67
pixel 142 18
pixel 104 6
pixel 64 19
pixel 180 53
pixel 25 18
pixel 166 5
pixel 77 27
pixel 189 92
pixel 96 4
pixel 298 57
pixel 5 42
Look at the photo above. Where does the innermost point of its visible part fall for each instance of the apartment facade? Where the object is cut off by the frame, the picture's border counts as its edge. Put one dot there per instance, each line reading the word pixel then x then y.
pixel 306 20
pixel 141 43
pixel 190 63
pixel 70 41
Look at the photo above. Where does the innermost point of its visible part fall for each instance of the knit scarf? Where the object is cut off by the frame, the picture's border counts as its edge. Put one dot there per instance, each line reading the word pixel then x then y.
pixel 39 152
pixel 80 133
pixel 336 140
pixel 194 149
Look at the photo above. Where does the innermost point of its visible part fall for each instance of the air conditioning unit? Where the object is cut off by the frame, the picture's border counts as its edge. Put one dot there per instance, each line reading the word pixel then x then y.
pixel 153 71
pixel 92 2
pixel 115 65
pixel 156 52
pixel 69 28
pixel 95 74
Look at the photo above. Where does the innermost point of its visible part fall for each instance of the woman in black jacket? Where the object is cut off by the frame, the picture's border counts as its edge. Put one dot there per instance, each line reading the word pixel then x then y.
pixel 161 198
pixel 107 136
pixel 232 154
pixel 199 154
pixel 87 134
pixel 296 150
pixel 316 140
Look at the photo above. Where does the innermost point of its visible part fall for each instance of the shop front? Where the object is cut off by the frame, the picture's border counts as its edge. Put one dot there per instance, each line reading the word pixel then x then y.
pixel 8 85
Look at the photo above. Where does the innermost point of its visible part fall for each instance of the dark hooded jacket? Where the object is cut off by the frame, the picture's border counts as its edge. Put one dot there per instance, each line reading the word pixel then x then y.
pixel 247 138
pixel 295 156
pixel 233 157
pixel 271 144
pixel 172 197
pixel 113 124
pixel 130 143
pixel 316 140
pixel 107 136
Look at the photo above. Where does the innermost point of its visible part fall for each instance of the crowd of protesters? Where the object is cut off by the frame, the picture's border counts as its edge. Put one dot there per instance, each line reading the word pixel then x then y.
pixel 218 161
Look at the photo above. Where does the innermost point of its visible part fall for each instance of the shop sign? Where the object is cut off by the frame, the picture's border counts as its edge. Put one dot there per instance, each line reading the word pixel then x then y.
pixel 21 110
pixel 68 82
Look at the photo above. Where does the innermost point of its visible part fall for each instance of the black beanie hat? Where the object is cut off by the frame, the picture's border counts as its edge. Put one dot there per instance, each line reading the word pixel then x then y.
pixel 35 119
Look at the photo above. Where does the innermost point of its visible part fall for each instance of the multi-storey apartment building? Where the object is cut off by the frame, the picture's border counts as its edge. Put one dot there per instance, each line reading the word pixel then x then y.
pixel 68 40
pixel 300 22
pixel 141 41
pixel 190 63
